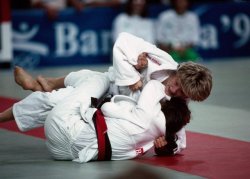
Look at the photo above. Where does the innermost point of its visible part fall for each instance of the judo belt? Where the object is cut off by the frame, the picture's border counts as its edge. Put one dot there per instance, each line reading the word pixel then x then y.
pixel 97 103
pixel 104 146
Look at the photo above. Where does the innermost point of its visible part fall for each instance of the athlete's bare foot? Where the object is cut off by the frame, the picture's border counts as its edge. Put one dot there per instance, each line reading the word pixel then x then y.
pixel 25 80
pixel 46 84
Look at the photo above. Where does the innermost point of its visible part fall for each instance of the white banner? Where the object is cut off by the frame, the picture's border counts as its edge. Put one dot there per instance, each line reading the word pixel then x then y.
pixel 5 32
pixel 5 46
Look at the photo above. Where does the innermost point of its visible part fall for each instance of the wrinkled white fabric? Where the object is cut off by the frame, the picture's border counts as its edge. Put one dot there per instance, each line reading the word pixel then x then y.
pixel 126 50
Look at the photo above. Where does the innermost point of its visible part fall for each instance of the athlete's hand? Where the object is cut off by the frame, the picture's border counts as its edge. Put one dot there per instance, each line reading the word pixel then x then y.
pixel 160 142
pixel 142 61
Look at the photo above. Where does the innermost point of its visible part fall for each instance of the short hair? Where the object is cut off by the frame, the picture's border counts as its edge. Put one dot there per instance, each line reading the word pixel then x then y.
pixel 195 80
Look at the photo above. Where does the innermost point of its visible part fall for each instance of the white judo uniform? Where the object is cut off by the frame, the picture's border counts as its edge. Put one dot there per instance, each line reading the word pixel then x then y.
pixel 67 118
pixel 126 50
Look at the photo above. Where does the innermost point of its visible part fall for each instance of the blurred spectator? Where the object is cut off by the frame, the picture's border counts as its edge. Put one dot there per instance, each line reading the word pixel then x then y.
pixel 210 1
pixel 178 31
pixel 135 21
pixel 23 4
pixel 102 3
pixel 154 1
pixel 53 7
pixel 166 2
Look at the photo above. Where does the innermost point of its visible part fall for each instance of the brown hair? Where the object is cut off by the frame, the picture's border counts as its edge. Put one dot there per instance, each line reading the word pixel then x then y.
pixel 195 79
pixel 129 8
pixel 177 115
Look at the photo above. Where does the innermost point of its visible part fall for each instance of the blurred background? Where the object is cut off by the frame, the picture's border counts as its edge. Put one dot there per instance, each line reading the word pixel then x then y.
pixel 62 33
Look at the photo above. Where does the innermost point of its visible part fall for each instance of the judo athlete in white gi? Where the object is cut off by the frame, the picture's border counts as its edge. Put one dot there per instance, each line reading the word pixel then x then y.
pixel 188 80
pixel 130 73
pixel 69 127
pixel 25 80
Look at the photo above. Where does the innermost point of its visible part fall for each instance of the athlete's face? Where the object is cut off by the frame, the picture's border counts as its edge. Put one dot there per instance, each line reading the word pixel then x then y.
pixel 181 6
pixel 138 6
pixel 173 87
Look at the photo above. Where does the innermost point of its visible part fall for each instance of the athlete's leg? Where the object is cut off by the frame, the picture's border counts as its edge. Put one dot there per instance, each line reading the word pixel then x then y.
pixel 31 112
pixel 49 84
pixel 73 79
pixel 6 115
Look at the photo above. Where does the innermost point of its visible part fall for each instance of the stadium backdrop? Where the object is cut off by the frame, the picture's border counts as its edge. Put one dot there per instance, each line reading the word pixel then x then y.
pixel 85 37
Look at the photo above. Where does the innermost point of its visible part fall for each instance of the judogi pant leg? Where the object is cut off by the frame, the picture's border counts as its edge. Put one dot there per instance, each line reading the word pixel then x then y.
pixel 32 111
pixel 77 78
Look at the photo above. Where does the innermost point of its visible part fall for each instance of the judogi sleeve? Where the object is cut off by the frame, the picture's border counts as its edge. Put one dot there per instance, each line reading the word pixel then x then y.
pixel 124 71
pixel 132 46
pixel 126 50
pixel 149 100
pixel 181 141
pixel 148 105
